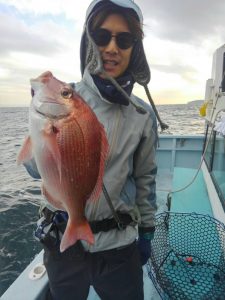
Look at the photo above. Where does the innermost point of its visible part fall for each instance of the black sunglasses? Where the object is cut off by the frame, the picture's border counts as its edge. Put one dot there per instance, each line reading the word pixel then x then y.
pixel 102 37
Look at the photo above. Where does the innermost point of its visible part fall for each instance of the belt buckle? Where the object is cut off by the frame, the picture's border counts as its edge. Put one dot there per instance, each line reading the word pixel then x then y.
pixel 121 225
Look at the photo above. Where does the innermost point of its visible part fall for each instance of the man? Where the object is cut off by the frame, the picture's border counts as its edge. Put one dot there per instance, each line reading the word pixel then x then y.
pixel 112 60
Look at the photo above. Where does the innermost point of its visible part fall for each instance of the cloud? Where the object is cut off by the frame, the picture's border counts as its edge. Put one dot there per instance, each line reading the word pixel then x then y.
pixel 40 35
pixel 187 72
pixel 15 35
pixel 31 45
pixel 184 21
pixel 51 7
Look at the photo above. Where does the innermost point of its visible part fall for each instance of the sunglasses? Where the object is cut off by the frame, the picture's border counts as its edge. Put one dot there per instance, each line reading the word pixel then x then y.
pixel 102 37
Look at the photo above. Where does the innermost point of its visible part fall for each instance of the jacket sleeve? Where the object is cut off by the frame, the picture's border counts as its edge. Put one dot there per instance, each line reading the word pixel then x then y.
pixel 145 171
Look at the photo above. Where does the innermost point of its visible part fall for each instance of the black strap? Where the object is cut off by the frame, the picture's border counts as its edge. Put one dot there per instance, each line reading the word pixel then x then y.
pixel 96 226
pixel 108 224
pixel 116 216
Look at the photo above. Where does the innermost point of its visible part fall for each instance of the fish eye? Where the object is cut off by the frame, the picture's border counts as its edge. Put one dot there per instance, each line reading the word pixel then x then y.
pixel 67 93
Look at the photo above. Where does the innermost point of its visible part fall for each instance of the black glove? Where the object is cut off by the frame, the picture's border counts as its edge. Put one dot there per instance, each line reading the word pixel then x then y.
pixel 144 246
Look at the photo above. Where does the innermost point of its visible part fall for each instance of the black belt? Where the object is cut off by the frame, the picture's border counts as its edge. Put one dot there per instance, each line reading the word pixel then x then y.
pixel 108 224
pixel 59 218
pixel 52 225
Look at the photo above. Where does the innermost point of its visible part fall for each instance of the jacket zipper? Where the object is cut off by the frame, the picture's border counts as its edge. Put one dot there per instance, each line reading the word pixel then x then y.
pixel 114 137
pixel 112 148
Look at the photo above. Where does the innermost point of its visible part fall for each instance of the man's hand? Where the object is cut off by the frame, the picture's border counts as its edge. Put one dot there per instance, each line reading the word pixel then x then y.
pixel 144 246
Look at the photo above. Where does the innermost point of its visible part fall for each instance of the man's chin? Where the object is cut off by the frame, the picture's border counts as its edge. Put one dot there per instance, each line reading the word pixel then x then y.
pixel 108 74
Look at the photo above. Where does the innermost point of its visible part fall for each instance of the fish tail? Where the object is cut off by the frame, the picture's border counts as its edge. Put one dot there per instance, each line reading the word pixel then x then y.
pixel 75 232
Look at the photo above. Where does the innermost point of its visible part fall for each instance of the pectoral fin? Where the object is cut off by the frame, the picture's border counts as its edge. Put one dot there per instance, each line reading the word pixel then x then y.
pixel 25 153
pixel 53 148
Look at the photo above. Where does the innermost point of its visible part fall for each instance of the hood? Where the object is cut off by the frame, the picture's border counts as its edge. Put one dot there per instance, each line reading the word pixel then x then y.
pixel 89 53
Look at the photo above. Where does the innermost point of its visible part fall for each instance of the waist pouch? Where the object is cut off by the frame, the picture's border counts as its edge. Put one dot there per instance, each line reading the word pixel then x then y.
pixel 51 226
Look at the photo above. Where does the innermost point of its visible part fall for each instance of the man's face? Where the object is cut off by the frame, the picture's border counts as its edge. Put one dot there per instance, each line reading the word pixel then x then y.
pixel 115 60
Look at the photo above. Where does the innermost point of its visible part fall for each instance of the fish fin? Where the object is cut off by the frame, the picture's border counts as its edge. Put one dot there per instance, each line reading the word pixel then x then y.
pixel 25 153
pixel 53 147
pixel 104 152
pixel 75 232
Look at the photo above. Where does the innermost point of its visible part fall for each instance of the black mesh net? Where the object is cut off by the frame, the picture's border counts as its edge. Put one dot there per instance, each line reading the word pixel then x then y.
pixel 188 257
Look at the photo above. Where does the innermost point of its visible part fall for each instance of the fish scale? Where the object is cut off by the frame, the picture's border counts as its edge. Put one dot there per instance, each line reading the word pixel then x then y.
pixel 79 171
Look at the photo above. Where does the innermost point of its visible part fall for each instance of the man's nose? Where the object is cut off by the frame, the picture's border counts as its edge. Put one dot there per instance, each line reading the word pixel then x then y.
pixel 112 46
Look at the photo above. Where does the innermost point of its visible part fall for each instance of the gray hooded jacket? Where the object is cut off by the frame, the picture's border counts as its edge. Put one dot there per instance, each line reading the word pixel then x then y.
pixel 130 168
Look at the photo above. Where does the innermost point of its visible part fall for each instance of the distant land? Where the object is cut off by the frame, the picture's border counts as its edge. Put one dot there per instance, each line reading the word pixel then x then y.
pixel 195 102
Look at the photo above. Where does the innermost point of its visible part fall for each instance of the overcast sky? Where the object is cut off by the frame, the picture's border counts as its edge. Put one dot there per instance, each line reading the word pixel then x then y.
pixel 39 35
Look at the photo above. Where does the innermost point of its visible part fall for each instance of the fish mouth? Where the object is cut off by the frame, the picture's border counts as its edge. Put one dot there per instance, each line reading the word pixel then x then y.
pixel 52 110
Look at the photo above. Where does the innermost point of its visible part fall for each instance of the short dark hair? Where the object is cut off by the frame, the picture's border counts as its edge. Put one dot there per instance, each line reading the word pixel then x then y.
pixel 128 14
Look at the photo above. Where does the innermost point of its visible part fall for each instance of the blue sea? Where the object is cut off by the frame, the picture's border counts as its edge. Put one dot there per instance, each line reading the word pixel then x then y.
pixel 20 194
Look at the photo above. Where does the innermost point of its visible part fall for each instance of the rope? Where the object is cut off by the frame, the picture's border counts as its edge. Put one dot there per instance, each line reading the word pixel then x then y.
pixel 161 123
pixel 203 155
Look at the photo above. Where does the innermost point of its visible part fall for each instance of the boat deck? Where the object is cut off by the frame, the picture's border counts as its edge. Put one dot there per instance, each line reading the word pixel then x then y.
pixel 193 198
pixel 164 186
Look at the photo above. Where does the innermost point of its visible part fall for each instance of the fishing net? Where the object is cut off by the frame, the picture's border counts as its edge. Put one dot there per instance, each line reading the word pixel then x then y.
pixel 188 257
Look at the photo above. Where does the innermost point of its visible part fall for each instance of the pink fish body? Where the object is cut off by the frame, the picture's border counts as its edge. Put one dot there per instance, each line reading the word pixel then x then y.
pixel 69 146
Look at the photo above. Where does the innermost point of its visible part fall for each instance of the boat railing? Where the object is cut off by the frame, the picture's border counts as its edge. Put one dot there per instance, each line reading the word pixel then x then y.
pixel 179 151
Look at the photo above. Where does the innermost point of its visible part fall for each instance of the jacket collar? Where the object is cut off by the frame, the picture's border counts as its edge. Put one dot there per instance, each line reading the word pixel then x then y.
pixel 88 80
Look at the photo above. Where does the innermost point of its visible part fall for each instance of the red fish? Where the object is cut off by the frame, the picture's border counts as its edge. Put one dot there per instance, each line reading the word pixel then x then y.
pixel 70 147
